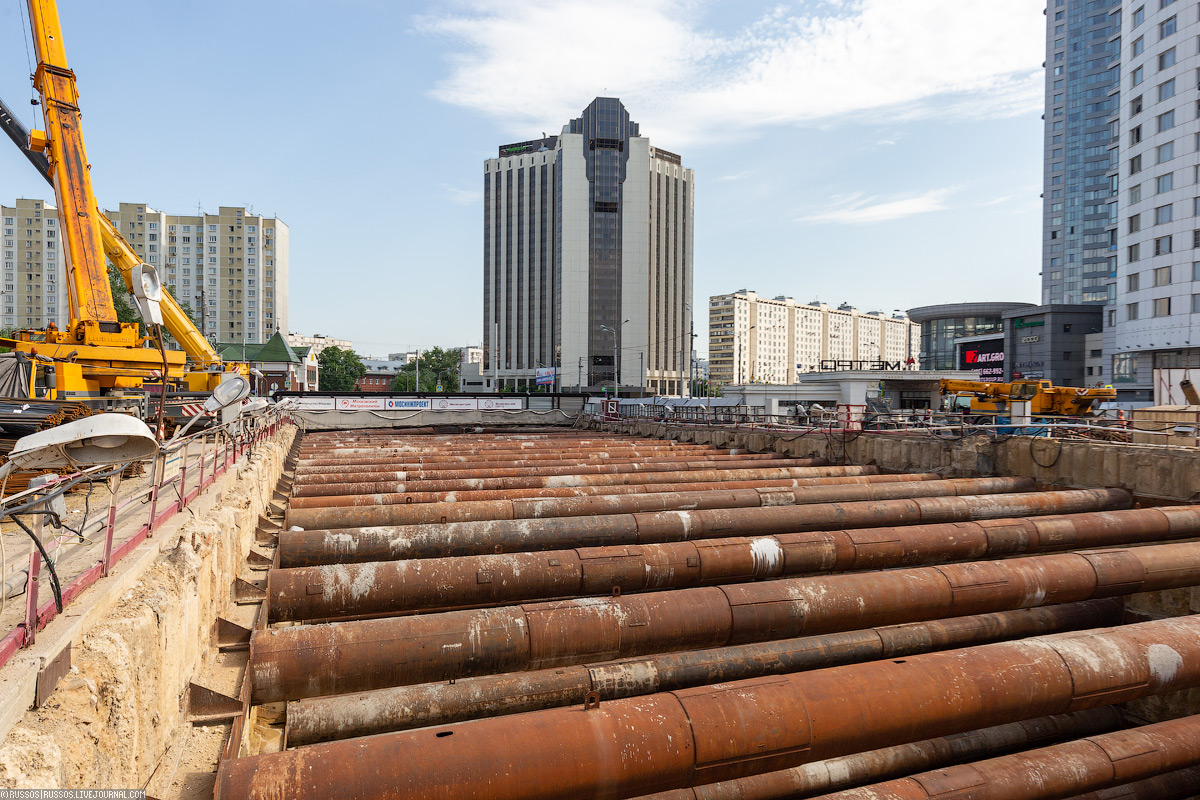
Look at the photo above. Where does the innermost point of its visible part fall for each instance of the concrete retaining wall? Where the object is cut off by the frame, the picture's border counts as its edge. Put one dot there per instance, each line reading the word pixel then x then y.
pixel 1152 471
pixel 139 636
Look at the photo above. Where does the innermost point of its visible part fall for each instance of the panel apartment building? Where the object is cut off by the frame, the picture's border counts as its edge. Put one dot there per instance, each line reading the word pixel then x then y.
pixel 754 339
pixel 587 239
pixel 232 265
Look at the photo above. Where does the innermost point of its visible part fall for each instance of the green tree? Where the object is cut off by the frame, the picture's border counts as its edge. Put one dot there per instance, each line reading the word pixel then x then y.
pixel 339 370
pixel 120 294
pixel 434 362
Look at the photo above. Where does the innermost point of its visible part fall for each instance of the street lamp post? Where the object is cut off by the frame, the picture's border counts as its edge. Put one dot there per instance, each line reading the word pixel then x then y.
pixel 616 345
pixel 739 364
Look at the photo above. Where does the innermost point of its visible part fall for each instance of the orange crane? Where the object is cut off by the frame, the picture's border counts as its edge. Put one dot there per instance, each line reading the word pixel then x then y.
pixel 95 354
pixel 1043 396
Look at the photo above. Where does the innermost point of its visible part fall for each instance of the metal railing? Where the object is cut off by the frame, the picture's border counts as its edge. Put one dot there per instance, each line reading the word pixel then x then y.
pixel 82 555
pixel 852 420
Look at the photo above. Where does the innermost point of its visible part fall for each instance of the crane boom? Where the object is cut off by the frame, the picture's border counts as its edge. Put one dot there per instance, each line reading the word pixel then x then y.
pixel 122 256
pixel 90 298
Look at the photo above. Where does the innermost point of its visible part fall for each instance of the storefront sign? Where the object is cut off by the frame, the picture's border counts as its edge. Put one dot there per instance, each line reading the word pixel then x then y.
pixel 985 358
pixel 833 365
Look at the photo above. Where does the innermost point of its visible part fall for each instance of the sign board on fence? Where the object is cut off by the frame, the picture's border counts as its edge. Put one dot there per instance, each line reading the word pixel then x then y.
pixel 360 404
pixel 407 404
pixel 501 403
pixel 455 404
pixel 545 376
pixel 314 403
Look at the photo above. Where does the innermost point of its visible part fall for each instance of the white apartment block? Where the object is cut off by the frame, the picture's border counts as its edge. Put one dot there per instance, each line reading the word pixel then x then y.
pixel 1156 148
pixel 754 339
pixel 230 268
pixel 588 258
pixel 317 342
pixel 34 280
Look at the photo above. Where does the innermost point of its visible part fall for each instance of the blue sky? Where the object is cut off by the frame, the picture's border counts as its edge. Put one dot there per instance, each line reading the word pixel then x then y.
pixel 886 153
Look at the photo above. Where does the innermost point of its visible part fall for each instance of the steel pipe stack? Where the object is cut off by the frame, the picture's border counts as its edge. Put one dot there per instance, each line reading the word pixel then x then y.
pixel 551 614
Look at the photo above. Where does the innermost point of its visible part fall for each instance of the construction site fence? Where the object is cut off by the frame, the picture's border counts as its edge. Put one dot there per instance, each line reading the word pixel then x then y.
pixel 852 419
pixel 85 554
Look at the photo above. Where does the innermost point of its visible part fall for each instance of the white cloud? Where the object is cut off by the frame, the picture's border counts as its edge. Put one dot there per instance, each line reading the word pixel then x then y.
pixel 736 176
pixel 857 209
pixel 462 197
pixel 532 65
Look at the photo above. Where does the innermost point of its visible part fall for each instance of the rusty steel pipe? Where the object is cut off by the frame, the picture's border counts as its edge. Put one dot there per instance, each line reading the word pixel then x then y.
pixel 334 658
pixel 1048 773
pixel 575 469
pixel 1179 785
pixel 333 489
pixel 536 507
pixel 388 543
pixel 808 780
pixel 553 459
pixel 608 479
pixel 471 444
pixel 318 719
pixel 707 734
pixel 365 510
pixel 339 590
pixel 631 463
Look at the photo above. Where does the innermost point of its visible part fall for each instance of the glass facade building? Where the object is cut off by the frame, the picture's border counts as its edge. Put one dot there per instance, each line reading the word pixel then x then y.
pixel 942 326
pixel 1079 236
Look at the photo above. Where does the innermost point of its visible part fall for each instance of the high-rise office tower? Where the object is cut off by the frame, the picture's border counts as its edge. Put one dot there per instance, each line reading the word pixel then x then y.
pixel 587 253
pixel 1156 313
pixel 1079 193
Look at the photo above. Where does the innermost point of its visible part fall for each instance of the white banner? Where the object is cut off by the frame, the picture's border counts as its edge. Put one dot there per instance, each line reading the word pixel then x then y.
pixel 455 404
pixel 314 403
pixel 501 403
pixel 360 404
pixel 407 404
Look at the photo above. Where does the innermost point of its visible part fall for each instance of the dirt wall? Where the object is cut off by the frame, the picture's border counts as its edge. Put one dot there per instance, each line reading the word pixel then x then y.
pixel 124 701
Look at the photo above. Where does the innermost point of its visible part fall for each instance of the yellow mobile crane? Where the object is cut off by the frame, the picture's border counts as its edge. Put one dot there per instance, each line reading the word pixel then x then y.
pixel 95 353
pixel 1043 396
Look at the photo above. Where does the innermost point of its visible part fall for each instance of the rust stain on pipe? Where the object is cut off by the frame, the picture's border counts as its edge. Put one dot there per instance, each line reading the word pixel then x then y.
pixel 707 734
pixel 386 543
pixel 875 765
pixel 1179 785
pixel 396 708
pixel 1097 762
pixel 395 487
pixel 396 479
pixel 709 497
pixel 333 658
pixel 418 585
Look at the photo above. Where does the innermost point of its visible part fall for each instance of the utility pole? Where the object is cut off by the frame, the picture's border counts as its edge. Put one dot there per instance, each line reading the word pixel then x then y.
pixel 579 385
pixel 418 387
pixel 692 357
pixel 614 330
